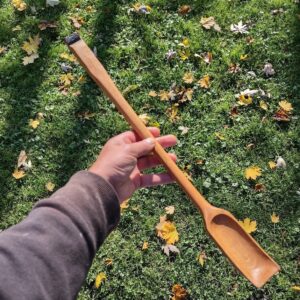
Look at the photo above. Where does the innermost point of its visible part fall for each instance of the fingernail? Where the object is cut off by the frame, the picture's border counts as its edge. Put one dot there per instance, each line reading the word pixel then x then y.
pixel 150 141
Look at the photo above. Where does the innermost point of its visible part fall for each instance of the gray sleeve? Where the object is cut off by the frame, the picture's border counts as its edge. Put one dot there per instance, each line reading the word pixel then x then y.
pixel 48 254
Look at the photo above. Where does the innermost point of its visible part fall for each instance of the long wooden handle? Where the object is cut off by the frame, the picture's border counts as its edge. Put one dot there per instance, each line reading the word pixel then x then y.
pixel 95 69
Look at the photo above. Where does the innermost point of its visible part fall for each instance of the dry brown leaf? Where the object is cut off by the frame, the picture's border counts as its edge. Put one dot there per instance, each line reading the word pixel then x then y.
pixel 274 218
pixel 179 292
pixel 44 24
pixel 145 245
pixel 50 186
pixel 152 94
pixel 18 174
pixel 184 9
pixel 188 77
pixel 30 59
pixel 77 21
pixel 201 258
pixel 204 82
pixel 170 210
pixel 209 23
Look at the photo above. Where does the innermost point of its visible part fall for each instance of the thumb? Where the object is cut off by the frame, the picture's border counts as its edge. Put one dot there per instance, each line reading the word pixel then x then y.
pixel 142 148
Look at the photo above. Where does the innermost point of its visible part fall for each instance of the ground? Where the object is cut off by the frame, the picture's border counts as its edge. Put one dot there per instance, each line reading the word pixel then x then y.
pixel 76 119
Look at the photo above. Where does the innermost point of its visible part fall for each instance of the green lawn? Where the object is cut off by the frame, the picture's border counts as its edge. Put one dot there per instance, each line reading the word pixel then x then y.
pixel 133 48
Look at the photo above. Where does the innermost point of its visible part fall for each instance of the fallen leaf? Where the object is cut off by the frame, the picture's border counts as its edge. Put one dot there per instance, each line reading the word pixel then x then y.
pixel 250 146
pixel 170 54
pixel 130 89
pixel 184 54
pixel 281 116
pixel 2 50
pixel 152 94
pixel 145 118
pixel 201 258
pixel 69 57
pixel 17 28
pixel 18 174
pixel 167 231
pixel 108 261
pixel 183 129
pixel 50 186
pixel 204 82
pixel 32 45
pixel 207 57
pixel 172 112
pixel 188 77
pixel 244 57
pixel 141 9
pixel 86 115
pixel 44 24
pixel 220 136
pixel 30 59
pixel 99 279
pixel 209 23
pixel 245 100
pixel 34 123
pixel 179 292
pixel 272 165
pixel 188 94
pixel 234 111
pixel 248 225
pixel 239 28
pixel 170 248
pixel 259 187
pixel 22 163
pixel 184 9
pixel 170 210
pixel 66 79
pixel 280 163
pixel 234 68
pixel 145 245
pixel 286 106
pixel 274 218
pixel 19 5
pixel 77 21
pixel 252 172
pixel 263 105
pixel 124 204
pixel 164 95
pixel 295 288
pixel 185 43
pixel 268 69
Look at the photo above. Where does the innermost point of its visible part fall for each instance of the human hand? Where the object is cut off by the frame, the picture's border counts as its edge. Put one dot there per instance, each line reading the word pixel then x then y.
pixel 123 158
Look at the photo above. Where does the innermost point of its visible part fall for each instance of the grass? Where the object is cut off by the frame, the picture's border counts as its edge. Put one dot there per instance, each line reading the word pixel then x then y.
pixel 133 49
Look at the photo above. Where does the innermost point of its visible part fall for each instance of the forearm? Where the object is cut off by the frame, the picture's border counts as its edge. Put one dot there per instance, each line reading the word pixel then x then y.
pixel 47 256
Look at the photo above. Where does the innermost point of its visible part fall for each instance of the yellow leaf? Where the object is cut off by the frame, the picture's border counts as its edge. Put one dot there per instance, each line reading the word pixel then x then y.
pixel 77 21
pixel 34 123
pixel 204 82
pixel 244 57
pixel 172 112
pixel 263 105
pixel 179 292
pixel 145 245
pixel 188 95
pixel 167 231
pixel 184 54
pixel 124 204
pixel 272 165
pixel 152 94
pixel 32 46
pixel 81 79
pixel 170 210
pixel 201 258
pixel 66 79
pixel 145 118
pixel 19 5
pixel 286 106
pixel 296 288
pixel 163 95
pixel 30 59
pixel 274 218
pixel 50 186
pixel 2 50
pixel 220 136
pixel 108 261
pixel 245 100
pixel 18 174
pixel 248 225
pixel 188 77
pixel 185 43
pixel 99 279
pixel 252 172
pixel 68 57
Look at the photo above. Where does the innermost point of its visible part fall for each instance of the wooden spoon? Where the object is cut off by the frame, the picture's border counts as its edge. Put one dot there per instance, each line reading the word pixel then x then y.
pixel 241 249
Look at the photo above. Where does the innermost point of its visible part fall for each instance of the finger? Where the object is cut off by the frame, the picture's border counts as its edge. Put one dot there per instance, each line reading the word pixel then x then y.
pixel 167 140
pixel 152 161
pixel 141 148
pixel 155 179
pixel 133 137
